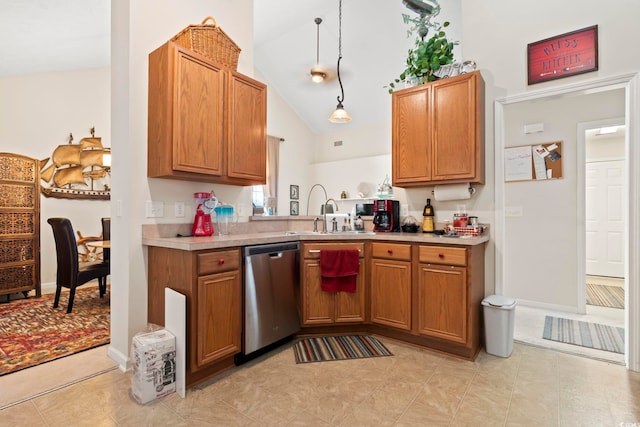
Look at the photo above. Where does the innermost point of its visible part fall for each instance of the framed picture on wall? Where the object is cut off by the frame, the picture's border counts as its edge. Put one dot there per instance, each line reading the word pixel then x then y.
pixel 563 55
pixel 294 192
pixel 294 208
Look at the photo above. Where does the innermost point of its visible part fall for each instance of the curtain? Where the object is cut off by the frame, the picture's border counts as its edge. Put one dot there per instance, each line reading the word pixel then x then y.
pixel 271 188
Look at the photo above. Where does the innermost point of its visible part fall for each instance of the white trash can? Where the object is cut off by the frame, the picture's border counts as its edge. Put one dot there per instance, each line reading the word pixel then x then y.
pixel 499 323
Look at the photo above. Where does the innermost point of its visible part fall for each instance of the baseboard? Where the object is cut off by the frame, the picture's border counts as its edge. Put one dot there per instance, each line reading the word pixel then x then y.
pixel 550 307
pixel 121 359
pixel 48 288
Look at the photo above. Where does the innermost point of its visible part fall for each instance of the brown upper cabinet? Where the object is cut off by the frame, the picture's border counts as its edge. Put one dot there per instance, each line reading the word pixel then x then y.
pixel 438 132
pixel 206 122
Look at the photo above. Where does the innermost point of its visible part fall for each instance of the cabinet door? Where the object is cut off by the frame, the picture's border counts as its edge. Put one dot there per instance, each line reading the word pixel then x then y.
pixel 318 306
pixel 247 135
pixel 455 151
pixel 442 302
pixel 198 116
pixel 391 293
pixel 350 306
pixel 219 317
pixel 411 149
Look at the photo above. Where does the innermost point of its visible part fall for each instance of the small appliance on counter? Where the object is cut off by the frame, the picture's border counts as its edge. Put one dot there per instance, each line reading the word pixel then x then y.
pixel 386 215
pixel 410 224
pixel 202 225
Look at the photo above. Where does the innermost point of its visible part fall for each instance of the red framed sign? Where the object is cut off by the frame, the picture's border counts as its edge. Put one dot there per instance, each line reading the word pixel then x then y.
pixel 563 56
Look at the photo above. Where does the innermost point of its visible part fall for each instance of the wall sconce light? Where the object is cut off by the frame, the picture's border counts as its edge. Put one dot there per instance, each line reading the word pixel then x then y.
pixel 106 158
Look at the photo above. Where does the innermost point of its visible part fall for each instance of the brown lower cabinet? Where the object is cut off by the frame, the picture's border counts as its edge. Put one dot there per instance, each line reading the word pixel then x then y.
pixel 428 295
pixel 450 282
pixel 391 285
pixel 211 280
pixel 327 308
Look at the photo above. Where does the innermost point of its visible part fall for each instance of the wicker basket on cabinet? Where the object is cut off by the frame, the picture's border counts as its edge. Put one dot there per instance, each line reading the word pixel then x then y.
pixel 209 40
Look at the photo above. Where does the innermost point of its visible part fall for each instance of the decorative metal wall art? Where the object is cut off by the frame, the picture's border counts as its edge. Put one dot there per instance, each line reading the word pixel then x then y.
pixel 78 171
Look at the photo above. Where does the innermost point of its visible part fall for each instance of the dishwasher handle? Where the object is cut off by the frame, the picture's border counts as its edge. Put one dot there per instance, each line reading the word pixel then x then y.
pixel 275 255
pixel 271 248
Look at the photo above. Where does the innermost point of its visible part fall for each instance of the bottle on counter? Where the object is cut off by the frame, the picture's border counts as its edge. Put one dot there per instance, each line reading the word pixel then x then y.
pixel 428 215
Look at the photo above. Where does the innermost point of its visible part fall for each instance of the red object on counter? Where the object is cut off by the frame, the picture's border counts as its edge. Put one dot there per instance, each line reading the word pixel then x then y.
pixel 202 225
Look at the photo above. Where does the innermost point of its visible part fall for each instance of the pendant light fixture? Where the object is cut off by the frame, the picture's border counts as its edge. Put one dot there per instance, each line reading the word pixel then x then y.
pixel 318 73
pixel 340 115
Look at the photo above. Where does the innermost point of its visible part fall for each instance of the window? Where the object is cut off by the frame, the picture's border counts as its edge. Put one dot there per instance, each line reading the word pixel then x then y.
pixel 258 199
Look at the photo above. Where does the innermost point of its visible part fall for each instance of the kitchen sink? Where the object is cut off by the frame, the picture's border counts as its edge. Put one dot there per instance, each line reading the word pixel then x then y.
pixel 303 232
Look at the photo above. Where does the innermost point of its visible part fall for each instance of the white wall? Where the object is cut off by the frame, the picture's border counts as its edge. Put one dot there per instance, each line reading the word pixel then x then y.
pixel 496 37
pixel 138 28
pixel 295 151
pixel 37 113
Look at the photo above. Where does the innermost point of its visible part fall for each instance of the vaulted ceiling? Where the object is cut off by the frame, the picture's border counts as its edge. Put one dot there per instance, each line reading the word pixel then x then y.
pixel 44 36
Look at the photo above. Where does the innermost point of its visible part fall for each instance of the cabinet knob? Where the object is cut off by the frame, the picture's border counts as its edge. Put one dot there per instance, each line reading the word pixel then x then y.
pixel 441 255
pixel 221 261
pixel 390 251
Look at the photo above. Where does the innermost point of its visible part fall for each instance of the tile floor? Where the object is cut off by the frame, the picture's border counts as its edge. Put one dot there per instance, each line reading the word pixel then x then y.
pixel 535 386
pixel 529 325
pixel 415 387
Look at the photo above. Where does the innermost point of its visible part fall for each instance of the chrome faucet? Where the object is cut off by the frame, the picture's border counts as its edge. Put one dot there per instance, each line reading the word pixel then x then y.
pixel 324 214
pixel 309 196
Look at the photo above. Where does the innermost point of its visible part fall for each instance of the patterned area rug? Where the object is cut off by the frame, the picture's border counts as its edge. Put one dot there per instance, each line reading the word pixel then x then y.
pixel 33 332
pixel 605 296
pixel 584 334
pixel 322 349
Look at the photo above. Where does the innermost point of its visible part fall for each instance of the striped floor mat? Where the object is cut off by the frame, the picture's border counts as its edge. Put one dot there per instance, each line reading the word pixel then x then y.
pixel 584 334
pixel 605 295
pixel 322 349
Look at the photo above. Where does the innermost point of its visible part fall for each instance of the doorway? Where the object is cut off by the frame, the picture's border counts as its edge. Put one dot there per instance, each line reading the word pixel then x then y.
pixel 503 233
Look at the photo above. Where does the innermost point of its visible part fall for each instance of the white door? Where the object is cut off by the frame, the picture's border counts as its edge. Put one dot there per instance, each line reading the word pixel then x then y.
pixel 604 202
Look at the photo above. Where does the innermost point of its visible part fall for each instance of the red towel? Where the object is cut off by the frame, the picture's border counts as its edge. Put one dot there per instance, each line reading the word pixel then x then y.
pixel 339 270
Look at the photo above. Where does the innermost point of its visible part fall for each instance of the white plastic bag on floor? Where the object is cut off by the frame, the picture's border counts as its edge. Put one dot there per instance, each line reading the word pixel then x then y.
pixel 153 353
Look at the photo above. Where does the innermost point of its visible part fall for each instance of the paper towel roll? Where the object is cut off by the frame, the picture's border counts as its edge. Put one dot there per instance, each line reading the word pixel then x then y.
pixel 452 192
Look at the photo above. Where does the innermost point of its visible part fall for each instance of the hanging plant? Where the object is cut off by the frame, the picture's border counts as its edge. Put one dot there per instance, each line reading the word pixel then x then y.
pixel 426 57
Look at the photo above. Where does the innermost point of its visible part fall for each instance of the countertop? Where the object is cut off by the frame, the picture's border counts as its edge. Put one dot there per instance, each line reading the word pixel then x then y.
pixel 234 240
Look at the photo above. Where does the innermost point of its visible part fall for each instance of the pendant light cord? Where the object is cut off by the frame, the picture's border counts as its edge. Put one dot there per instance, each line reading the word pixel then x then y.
pixel 318 21
pixel 340 99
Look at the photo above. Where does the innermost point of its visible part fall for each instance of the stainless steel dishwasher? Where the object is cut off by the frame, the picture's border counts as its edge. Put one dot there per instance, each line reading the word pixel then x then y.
pixel 271 287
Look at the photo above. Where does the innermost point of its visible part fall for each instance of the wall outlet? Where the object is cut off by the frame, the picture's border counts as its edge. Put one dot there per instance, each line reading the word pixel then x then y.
pixel 154 209
pixel 178 208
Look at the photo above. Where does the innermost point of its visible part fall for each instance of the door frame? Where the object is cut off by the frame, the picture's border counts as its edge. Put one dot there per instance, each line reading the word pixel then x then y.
pixel 631 84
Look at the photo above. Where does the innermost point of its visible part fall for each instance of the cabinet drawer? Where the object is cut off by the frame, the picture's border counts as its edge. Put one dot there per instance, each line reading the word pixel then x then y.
pixel 216 262
pixel 443 255
pixel 312 250
pixel 391 251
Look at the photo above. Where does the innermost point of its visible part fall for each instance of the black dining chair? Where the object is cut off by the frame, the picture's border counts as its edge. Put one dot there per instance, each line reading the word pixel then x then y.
pixel 70 274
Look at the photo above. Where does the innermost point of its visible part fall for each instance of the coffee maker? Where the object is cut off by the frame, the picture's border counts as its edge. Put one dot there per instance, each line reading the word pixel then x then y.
pixel 386 215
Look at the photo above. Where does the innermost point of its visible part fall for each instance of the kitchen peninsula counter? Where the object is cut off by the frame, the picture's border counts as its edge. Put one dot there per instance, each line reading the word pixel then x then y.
pixel 235 240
